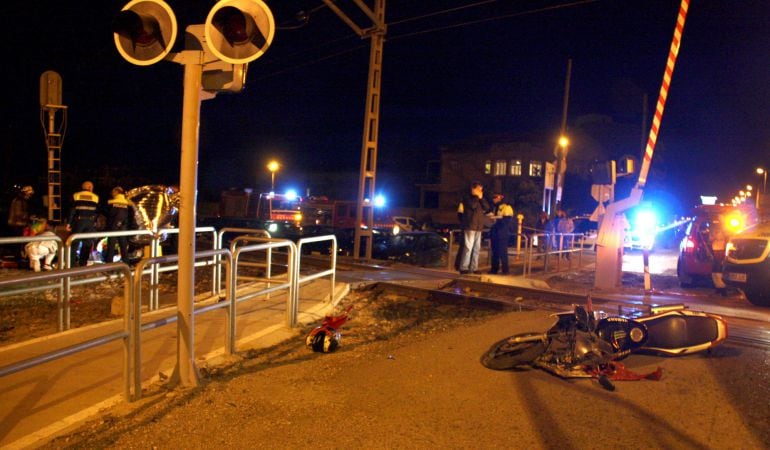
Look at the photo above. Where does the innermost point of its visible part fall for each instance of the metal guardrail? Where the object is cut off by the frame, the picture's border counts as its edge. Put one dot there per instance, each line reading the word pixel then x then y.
pixel 331 271
pixel 30 289
pixel 557 245
pixel 126 334
pixel 133 327
pixel 218 244
pixel 290 284
pixel 136 324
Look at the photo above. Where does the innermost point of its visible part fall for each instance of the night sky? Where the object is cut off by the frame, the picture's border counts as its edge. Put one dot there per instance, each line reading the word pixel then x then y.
pixel 494 67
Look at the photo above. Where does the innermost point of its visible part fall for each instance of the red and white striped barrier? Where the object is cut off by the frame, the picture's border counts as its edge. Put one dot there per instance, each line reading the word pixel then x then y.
pixel 672 54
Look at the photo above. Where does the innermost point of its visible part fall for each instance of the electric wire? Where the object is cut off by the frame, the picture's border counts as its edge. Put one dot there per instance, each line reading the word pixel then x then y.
pixel 416 33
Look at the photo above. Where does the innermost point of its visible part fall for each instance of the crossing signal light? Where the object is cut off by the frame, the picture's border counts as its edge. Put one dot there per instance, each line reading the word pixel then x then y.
pixel 239 31
pixel 144 31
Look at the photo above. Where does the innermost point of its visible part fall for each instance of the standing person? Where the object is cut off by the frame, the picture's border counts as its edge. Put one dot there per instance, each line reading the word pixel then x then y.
pixel 19 212
pixel 500 234
pixel 564 226
pixel 41 249
pixel 472 214
pixel 119 214
pixel 19 219
pixel 82 218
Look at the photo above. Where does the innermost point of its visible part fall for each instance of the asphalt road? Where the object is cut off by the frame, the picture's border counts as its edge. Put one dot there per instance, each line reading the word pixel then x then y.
pixel 423 389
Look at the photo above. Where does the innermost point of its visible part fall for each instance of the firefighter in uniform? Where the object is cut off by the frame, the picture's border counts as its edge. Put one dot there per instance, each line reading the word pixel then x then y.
pixel 82 218
pixel 500 233
pixel 119 215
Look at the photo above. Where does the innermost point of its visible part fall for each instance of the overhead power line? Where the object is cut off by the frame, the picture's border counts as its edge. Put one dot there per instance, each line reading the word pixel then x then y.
pixel 419 32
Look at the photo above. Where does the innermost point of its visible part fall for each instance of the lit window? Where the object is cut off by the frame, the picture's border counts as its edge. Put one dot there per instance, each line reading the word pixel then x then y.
pixel 500 167
pixel 487 167
pixel 535 169
pixel 515 167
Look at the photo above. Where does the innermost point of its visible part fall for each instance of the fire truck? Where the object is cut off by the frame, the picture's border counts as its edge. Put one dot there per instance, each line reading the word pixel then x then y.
pixel 339 213
pixel 279 214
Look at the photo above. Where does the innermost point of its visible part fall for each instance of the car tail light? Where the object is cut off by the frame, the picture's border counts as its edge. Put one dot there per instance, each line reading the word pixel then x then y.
pixel 689 244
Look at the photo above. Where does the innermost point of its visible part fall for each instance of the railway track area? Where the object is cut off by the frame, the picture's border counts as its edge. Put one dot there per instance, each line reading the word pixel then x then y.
pixel 752 330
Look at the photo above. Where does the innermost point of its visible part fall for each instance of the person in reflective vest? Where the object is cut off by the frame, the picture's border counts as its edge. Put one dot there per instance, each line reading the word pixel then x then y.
pixel 119 215
pixel 500 233
pixel 82 219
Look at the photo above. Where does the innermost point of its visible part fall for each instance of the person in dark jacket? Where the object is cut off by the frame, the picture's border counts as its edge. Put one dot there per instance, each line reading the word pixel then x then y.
pixel 472 214
pixel 500 233
pixel 119 215
pixel 82 218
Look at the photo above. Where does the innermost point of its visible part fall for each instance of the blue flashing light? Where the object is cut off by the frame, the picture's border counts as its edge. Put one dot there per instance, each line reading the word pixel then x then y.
pixel 379 201
pixel 291 195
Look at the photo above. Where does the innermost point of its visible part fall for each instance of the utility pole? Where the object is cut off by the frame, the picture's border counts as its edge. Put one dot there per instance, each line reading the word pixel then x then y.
pixel 560 151
pixel 368 172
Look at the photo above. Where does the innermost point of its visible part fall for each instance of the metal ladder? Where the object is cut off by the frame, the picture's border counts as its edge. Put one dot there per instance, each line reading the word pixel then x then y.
pixel 54 144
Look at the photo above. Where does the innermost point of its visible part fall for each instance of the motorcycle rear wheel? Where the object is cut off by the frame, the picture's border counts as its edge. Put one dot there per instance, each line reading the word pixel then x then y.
pixel 513 351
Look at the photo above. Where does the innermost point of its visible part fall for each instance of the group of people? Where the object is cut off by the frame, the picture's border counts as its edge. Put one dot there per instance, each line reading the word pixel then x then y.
pixel 475 213
pixel 82 218
pixel 556 231
pixel 85 213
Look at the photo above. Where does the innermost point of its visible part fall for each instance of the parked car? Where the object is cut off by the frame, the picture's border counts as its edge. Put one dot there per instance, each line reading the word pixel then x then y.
pixel 420 248
pixel 695 257
pixel 405 223
pixel 588 228
pixel 747 265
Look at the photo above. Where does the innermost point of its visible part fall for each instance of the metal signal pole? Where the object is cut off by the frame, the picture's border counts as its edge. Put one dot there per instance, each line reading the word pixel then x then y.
pixel 368 173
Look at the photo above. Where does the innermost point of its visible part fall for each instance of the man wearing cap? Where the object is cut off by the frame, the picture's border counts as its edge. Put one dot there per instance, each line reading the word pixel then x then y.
pixel 503 215
pixel 82 218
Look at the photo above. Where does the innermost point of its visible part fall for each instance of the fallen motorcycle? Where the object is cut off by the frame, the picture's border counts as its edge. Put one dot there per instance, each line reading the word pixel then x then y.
pixel 582 344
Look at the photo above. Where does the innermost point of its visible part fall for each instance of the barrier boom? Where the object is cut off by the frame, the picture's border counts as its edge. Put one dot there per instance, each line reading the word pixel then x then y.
pixel 669 72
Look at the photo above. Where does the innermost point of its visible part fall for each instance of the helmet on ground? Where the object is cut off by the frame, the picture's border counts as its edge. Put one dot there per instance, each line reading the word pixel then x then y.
pixel 323 339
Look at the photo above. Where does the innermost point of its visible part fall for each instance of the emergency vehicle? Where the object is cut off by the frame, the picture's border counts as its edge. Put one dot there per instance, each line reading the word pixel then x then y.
pixel 339 213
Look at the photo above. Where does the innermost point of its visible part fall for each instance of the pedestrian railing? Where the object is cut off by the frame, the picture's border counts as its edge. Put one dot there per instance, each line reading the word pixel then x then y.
pixel 132 296
pixel 253 232
pixel 25 289
pixel 554 250
pixel 137 327
pixel 330 272
pixel 126 334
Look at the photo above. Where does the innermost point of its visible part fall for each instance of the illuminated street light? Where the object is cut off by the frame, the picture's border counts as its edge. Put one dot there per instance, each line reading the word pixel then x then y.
pixel 563 142
pixel 763 172
pixel 273 167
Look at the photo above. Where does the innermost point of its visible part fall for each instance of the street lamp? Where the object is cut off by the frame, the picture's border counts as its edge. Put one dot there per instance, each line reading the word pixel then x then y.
pixel 763 172
pixel 561 167
pixel 273 167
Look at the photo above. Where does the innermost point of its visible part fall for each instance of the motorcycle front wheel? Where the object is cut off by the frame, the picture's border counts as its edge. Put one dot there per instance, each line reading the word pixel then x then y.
pixel 513 351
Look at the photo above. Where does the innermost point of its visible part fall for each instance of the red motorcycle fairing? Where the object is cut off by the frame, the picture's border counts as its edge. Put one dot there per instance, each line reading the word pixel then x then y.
pixel 681 332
